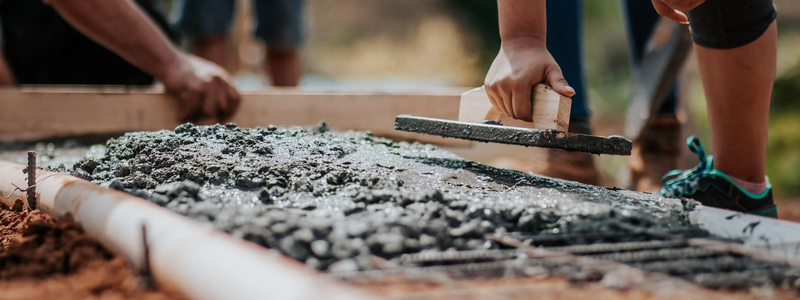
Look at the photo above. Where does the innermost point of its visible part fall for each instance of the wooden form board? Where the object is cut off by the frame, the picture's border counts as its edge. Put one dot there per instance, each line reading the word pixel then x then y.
pixel 38 113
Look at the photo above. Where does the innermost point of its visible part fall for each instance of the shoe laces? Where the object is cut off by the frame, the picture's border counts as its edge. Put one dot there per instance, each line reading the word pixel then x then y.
pixel 679 184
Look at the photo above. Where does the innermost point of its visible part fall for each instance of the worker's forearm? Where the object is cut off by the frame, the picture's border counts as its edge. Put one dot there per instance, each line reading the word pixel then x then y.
pixel 522 19
pixel 121 26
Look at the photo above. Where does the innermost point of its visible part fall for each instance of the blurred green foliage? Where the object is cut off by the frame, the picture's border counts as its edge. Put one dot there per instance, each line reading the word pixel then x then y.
pixel 783 152
pixel 480 17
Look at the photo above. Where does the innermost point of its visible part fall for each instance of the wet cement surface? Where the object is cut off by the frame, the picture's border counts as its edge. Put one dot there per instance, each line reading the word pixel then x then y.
pixel 336 201
pixel 333 199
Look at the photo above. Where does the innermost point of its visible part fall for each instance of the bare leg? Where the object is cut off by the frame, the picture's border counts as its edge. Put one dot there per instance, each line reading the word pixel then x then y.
pixel 6 77
pixel 738 87
pixel 283 66
pixel 214 49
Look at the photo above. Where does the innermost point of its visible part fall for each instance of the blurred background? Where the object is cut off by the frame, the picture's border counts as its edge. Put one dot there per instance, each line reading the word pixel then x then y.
pixel 433 44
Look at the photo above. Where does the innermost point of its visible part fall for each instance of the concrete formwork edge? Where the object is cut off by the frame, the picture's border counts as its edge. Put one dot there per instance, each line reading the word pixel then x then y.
pixel 772 237
pixel 185 256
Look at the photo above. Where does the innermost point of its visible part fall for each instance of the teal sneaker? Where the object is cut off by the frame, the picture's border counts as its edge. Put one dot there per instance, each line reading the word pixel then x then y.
pixel 714 188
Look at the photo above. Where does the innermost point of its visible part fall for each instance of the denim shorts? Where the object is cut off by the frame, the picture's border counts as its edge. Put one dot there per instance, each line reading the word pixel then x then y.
pixel 280 22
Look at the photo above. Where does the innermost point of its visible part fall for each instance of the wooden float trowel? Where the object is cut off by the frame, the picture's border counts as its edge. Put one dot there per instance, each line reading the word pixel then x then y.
pixel 479 121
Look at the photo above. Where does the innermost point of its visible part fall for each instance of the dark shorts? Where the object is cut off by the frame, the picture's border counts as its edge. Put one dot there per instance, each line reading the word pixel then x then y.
pixel 280 22
pixel 42 48
pixel 726 24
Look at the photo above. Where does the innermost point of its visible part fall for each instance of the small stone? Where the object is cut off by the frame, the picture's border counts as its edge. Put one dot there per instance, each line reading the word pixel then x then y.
pixel 279 228
pixel 277 191
pixel 89 164
pixel 460 243
pixel 264 196
pixel 357 228
pixel 191 187
pixel 341 250
pixel 116 185
pixel 294 249
pixel 322 127
pixel 427 241
pixel 467 229
pixel 392 244
pixel 474 244
pixel 248 180
pixel 345 265
pixel 159 199
pixel 82 175
pixel 304 235
pixel 165 189
pixel 411 245
pixel 122 170
pixel 314 263
pixel 321 248
pixel 459 204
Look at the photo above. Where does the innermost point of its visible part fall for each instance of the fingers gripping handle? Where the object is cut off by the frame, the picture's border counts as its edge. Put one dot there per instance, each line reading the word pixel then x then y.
pixel 550 109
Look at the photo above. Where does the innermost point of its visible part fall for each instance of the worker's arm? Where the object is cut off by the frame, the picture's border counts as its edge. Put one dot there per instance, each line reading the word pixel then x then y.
pixel 523 60
pixel 204 89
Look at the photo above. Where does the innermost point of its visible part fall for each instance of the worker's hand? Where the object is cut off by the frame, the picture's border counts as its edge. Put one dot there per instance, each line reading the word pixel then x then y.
pixel 204 89
pixel 674 9
pixel 521 64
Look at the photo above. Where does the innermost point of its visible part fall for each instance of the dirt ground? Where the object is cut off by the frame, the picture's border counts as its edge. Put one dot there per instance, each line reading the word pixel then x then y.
pixel 788 208
pixel 41 258
pixel 545 288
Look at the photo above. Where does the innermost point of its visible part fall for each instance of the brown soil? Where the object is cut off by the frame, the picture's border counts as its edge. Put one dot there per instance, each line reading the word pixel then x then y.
pixel 542 288
pixel 788 208
pixel 44 258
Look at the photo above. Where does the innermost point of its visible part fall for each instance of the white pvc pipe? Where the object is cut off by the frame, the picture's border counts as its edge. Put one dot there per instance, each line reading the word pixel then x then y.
pixel 755 231
pixel 186 256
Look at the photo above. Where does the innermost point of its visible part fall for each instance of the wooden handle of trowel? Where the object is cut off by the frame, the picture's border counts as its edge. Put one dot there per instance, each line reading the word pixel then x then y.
pixel 494 114
pixel 550 110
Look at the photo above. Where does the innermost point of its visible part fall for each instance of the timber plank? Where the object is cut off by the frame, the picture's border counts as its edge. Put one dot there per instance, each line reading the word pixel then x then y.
pixel 28 114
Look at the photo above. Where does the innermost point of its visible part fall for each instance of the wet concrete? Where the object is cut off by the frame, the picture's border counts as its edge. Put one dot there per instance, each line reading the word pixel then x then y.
pixel 495 133
pixel 323 197
pixel 50 155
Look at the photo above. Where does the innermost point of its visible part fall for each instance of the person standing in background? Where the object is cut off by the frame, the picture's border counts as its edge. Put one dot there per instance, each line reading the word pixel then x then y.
pixel 207 24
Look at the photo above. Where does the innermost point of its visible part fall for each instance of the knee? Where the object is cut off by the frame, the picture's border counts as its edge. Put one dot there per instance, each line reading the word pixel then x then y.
pixel 727 24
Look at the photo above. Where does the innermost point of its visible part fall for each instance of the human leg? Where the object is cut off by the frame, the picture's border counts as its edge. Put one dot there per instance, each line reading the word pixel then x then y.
pixel 207 24
pixel 284 66
pixel 212 48
pixel 281 27
pixel 736 48
pixel 738 85
pixel 640 20
pixel 657 149
pixel 565 43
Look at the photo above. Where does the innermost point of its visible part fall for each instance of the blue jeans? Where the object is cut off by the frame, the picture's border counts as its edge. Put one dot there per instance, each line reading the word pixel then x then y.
pixel 280 22
pixel 565 43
